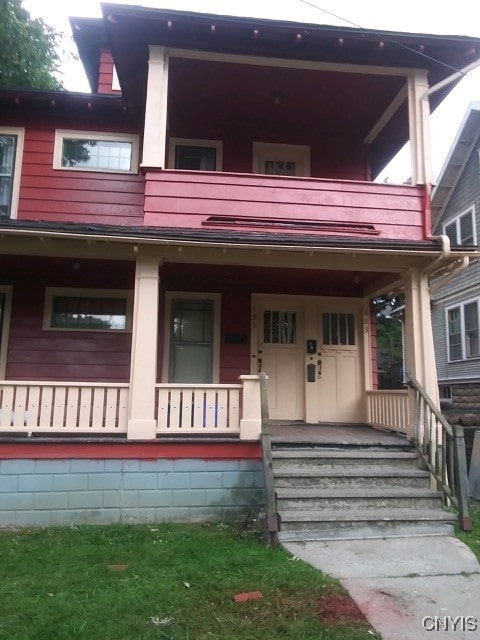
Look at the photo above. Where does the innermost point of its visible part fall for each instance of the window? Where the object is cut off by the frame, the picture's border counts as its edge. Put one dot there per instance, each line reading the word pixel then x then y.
pixel 88 310
pixel 11 150
pixel 445 393
pixel 338 328
pixel 279 327
pixel 463 331
pixel 93 151
pixel 461 229
pixel 281 159
pixel 195 155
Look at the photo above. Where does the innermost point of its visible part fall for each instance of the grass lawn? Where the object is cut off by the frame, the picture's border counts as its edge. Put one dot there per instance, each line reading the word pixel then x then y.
pixel 164 582
pixel 472 539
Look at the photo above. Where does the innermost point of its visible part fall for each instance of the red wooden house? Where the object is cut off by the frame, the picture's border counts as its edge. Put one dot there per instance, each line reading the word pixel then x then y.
pixel 209 213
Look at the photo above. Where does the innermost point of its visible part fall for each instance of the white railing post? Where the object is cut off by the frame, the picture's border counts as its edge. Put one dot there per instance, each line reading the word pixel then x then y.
pixel 251 420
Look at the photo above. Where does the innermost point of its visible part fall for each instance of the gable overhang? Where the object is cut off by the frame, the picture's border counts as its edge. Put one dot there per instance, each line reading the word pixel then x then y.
pixel 455 162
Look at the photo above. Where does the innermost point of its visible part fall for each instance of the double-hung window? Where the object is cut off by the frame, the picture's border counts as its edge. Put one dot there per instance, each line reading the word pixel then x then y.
pixel 463 331
pixel 11 148
pixel 461 229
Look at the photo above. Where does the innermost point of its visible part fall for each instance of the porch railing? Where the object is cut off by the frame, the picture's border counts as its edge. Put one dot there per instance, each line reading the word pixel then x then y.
pixel 266 440
pixel 442 447
pixel 388 409
pixel 198 409
pixel 52 407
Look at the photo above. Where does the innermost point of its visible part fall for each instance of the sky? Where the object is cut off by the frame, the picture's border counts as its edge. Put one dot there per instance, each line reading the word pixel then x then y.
pixel 418 16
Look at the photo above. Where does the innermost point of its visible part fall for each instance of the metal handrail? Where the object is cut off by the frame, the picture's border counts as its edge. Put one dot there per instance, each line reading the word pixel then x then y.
pixel 266 440
pixel 442 448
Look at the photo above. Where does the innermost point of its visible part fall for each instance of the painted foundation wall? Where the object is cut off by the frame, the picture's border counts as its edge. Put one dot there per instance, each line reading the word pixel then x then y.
pixel 43 492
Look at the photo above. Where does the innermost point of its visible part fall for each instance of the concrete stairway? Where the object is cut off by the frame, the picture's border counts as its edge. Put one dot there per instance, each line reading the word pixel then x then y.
pixel 328 492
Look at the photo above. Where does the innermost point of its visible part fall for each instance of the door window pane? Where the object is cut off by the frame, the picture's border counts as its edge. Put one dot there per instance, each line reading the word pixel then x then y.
pixel 338 328
pixel 191 353
pixel 279 327
pixel 279 168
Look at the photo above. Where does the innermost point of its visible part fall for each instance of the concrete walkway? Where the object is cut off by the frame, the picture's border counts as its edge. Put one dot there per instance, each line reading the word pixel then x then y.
pixel 408 588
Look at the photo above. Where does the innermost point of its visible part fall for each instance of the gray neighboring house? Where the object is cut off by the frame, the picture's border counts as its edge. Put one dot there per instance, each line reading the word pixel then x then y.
pixel 456 305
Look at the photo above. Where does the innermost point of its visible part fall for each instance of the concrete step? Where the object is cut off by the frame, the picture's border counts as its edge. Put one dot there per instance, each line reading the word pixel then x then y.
pixel 350 476
pixel 286 459
pixel 380 519
pixel 411 530
pixel 349 498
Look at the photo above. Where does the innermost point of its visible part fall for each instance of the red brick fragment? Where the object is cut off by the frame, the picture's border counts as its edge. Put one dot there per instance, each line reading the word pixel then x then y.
pixel 116 567
pixel 253 595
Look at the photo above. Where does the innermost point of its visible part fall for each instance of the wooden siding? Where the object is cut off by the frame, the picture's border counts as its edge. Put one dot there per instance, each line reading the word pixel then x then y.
pixel 38 354
pixel 74 196
pixel 466 286
pixel 189 199
pixel 105 73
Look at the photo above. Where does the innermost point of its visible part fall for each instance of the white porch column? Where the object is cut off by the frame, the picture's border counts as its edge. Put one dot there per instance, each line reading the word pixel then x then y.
pixel 155 130
pixel 143 369
pixel 420 353
pixel 419 127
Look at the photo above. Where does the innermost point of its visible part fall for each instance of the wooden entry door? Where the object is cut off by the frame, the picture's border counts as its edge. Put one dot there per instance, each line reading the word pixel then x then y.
pixel 278 324
pixel 339 379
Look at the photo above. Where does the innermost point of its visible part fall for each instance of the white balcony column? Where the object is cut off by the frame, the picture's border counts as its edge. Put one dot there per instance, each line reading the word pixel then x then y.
pixel 419 127
pixel 251 420
pixel 419 347
pixel 155 130
pixel 143 368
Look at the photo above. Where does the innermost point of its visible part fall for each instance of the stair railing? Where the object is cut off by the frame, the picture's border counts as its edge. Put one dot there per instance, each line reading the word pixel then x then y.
pixel 442 448
pixel 266 441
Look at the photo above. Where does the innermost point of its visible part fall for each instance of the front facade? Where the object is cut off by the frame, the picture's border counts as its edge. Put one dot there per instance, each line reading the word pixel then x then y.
pixel 455 315
pixel 211 216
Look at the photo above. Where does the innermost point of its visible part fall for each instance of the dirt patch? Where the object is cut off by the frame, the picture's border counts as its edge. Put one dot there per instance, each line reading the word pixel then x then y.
pixel 339 609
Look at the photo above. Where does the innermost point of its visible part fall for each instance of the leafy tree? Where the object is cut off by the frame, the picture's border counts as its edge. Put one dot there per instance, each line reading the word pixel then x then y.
pixel 28 50
pixel 389 341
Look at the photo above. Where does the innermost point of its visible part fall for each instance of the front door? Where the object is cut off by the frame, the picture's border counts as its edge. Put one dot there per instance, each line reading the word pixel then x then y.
pixel 310 348
pixel 278 325
pixel 339 390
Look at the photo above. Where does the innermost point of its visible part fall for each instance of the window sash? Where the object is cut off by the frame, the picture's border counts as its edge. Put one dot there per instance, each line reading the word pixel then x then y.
pixel 461 229
pixel 463 331
pixel 8 150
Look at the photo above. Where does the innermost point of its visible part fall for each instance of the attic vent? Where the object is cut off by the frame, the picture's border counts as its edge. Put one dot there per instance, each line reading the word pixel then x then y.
pixel 285 224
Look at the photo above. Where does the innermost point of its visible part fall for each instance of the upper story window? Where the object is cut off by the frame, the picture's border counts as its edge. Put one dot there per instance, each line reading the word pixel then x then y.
pixel 88 309
pixel 461 229
pixel 11 150
pixel 195 155
pixel 463 331
pixel 93 151
pixel 281 159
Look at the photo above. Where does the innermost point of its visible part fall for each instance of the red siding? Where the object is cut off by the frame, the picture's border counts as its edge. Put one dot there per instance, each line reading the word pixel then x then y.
pixel 188 199
pixel 74 196
pixel 38 354
pixel 105 73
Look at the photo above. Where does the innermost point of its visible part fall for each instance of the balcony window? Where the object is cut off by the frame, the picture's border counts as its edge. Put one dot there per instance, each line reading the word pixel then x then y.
pixel 281 159
pixel 11 147
pixel 195 155
pixel 90 151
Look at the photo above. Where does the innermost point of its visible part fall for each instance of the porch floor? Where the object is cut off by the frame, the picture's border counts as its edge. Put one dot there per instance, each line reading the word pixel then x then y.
pixel 291 433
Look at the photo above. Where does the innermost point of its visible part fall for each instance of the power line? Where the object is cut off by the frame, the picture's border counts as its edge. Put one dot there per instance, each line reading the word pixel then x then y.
pixel 382 35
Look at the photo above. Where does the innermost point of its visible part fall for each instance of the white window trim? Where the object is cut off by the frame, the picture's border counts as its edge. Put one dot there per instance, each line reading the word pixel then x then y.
pixel 456 219
pixel 61 134
pixel 461 306
pixel 17 170
pixel 51 292
pixel 115 81
pixel 300 154
pixel 192 142
pixel 5 328
pixel 192 295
